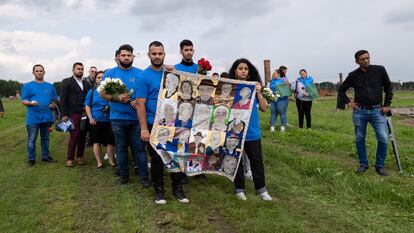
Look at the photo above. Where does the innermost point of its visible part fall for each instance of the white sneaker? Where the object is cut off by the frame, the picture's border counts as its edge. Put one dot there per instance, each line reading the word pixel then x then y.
pixel 161 202
pixel 183 200
pixel 272 129
pixel 241 196
pixel 282 128
pixel 265 196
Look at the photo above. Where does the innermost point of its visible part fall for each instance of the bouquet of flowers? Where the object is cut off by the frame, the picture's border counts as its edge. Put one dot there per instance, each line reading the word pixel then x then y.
pixel 203 66
pixel 268 94
pixel 113 86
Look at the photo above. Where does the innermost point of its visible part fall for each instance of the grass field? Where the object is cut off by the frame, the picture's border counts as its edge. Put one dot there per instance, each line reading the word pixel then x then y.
pixel 310 174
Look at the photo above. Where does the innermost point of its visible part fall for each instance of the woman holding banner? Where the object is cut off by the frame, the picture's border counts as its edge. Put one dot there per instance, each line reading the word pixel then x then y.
pixel 279 85
pixel 305 91
pixel 243 70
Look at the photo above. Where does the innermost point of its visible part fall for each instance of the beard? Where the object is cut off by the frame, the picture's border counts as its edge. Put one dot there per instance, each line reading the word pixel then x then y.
pixel 78 75
pixel 125 65
pixel 157 63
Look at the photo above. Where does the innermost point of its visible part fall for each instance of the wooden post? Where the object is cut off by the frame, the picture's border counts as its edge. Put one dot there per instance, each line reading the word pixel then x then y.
pixel 267 71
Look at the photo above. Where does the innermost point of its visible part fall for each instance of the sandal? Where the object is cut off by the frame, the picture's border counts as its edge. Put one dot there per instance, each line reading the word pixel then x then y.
pixel 80 161
pixel 100 166
pixel 69 163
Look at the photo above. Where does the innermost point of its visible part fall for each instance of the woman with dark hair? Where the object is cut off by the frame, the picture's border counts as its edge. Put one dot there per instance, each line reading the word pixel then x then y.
pixel 242 69
pixel 279 106
pixel 303 99
pixel 97 110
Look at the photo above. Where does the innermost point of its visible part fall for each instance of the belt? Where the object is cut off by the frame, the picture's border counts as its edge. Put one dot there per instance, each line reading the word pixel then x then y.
pixel 370 106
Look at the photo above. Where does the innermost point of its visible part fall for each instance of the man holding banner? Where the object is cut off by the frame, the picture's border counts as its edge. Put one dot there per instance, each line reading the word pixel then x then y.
pixel 147 97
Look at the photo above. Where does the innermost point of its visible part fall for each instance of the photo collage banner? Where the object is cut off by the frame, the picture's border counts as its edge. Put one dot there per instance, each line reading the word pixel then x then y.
pixel 201 123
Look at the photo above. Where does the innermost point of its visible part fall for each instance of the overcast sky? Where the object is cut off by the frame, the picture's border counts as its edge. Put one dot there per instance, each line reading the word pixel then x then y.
pixel 318 35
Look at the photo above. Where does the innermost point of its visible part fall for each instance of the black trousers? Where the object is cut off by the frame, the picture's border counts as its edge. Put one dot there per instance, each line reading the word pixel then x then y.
pixel 157 169
pixel 253 151
pixel 304 109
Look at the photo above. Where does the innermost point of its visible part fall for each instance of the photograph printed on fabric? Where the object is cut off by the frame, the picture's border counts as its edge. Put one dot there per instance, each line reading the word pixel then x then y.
pixel 200 123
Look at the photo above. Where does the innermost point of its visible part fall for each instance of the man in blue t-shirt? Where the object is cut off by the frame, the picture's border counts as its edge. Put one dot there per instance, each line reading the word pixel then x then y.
pixel 147 96
pixel 37 95
pixel 124 119
pixel 187 64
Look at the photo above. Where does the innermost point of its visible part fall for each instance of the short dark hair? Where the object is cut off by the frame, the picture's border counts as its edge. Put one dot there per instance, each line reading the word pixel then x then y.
pixel 155 43
pixel 186 43
pixel 300 71
pixel 126 47
pixel 224 75
pixel 359 53
pixel 93 67
pixel 76 64
pixel 116 53
pixel 253 72
pixel 215 74
pixel 38 65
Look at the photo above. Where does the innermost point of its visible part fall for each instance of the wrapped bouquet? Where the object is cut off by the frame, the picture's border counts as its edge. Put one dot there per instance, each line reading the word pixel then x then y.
pixel 114 87
pixel 268 94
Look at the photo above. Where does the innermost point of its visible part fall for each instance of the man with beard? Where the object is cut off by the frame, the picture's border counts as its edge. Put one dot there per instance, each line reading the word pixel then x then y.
pixel 72 96
pixel 187 52
pixel 147 92
pixel 37 95
pixel 124 119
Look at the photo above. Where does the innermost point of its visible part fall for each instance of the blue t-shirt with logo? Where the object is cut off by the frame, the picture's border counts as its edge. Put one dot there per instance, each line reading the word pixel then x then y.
pixel 43 93
pixel 254 131
pixel 148 87
pixel 99 107
pixel 190 69
pixel 121 111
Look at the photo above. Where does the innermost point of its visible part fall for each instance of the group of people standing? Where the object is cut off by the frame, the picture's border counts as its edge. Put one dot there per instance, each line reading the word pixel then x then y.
pixel 280 85
pixel 125 120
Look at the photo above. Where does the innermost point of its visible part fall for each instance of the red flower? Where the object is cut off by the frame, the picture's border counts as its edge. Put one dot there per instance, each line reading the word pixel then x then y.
pixel 203 66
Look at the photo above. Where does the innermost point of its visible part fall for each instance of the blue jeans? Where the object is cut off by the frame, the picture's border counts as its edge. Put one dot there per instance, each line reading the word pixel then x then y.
pixel 361 117
pixel 279 108
pixel 128 132
pixel 32 131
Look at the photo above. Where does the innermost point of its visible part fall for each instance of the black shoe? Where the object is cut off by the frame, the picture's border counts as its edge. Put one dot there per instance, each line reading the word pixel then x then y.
pixel 123 179
pixel 381 171
pixel 201 177
pixel 31 163
pixel 146 182
pixel 49 160
pixel 159 196
pixel 361 169
pixel 178 192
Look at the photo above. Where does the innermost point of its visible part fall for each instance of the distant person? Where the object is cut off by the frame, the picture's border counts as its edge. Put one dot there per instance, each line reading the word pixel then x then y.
pixel 38 95
pixel 124 120
pixel 224 75
pixel 1 109
pixel 278 107
pixel 215 76
pixel 97 110
pixel 369 81
pixel 187 64
pixel 72 96
pixel 243 70
pixel 303 99
pixel 146 93
pixel 92 75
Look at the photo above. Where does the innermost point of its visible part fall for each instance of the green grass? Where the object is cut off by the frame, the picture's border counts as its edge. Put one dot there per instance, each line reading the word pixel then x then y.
pixel 310 174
